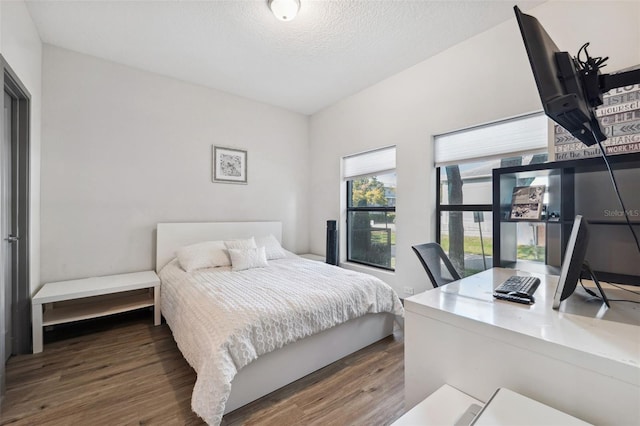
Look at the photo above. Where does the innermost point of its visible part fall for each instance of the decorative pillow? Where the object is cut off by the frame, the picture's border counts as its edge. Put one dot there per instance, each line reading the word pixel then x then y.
pixel 272 247
pixel 242 259
pixel 209 254
pixel 241 244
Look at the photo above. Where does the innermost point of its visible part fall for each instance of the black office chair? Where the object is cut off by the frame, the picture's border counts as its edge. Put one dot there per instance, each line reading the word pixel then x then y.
pixel 432 258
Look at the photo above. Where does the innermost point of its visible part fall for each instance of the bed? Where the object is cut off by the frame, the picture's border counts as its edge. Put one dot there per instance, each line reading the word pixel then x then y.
pixel 242 352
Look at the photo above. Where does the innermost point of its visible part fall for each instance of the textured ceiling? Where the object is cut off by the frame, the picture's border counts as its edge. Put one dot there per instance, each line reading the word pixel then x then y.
pixel 333 49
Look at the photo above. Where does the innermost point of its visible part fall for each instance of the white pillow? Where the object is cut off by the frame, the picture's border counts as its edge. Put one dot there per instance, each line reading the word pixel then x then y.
pixel 242 259
pixel 272 247
pixel 209 254
pixel 241 244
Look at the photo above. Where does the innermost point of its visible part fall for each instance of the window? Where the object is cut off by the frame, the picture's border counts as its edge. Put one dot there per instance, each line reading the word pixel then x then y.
pixel 464 162
pixel 371 205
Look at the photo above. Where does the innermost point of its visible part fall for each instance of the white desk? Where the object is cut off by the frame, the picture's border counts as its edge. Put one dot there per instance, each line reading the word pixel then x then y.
pixel 583 360
pixel 94 297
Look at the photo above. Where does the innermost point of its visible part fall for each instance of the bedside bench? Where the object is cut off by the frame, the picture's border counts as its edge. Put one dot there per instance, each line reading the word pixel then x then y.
pixel 92 298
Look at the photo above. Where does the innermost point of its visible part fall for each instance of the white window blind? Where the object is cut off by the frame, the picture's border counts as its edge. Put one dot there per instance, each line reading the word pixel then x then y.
pixel 369 163
pixel 514 137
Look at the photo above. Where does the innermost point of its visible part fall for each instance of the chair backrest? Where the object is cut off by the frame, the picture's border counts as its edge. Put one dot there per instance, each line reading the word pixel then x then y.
pixel 432 257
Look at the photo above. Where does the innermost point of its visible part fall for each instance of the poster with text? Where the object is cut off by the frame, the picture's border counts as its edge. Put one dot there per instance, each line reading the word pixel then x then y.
pixel 619 117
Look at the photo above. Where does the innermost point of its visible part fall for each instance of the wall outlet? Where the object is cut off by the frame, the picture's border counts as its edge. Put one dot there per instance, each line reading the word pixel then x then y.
pixel 408 290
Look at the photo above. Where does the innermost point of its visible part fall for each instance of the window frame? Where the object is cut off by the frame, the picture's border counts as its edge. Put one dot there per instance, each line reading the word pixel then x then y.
pixel 349 209
pixel 463 208
pixel 531 138
pixel 440 208
pixel 467 208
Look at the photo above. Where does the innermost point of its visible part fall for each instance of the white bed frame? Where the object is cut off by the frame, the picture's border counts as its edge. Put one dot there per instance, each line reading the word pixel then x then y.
pixel 294 361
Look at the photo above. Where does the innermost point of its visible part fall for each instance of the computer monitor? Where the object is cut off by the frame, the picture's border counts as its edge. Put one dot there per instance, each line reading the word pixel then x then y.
pixel 574 264
pixel 570 89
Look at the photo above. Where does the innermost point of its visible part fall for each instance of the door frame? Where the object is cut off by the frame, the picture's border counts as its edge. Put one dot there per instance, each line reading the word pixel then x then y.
pixel 20 209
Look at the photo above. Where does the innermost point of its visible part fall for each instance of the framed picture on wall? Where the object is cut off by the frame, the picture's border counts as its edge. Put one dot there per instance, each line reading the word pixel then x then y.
pixel 229 165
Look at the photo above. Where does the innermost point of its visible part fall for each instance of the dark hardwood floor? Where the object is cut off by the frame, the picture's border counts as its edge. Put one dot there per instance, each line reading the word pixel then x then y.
pixel 124 371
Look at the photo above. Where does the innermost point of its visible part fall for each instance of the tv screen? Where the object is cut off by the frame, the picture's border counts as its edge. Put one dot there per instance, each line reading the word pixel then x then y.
pixel 559 82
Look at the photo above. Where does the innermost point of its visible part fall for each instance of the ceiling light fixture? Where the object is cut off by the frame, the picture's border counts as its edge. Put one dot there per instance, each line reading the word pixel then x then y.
pixel 285 10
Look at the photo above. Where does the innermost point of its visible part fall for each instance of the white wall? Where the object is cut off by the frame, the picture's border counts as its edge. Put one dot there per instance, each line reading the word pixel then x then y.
pixel 126 149
pixel 21 47
pixel 483 79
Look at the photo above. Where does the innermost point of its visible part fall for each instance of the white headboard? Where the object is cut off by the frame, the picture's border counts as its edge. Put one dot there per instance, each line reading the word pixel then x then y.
pixel 172 236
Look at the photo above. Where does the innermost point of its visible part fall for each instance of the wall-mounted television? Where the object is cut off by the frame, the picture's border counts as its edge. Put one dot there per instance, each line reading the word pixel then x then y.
pixel 570 88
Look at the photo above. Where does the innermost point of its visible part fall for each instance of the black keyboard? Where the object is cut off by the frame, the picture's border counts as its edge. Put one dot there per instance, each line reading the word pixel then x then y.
pixel 518 289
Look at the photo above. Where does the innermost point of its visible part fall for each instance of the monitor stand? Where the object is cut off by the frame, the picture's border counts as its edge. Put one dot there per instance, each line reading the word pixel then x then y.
pixel 587 270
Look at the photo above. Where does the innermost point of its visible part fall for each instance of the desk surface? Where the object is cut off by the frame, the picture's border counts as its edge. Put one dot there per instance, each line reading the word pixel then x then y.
pixel 582 324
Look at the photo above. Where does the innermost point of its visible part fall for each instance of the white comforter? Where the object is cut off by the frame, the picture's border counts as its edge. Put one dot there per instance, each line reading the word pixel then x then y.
pixel 223 320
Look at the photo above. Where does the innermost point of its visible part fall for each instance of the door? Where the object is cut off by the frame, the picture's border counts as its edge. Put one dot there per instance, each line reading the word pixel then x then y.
pixel 15 294
pixel 5 225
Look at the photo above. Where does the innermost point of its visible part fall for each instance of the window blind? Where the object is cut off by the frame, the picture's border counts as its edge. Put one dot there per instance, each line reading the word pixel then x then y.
pixel 369 163
pixel 513 137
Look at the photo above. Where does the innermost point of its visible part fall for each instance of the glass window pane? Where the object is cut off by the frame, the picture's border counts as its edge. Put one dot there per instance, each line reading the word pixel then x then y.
pixel 373 191
pixel 531 240
pixel 470 183
pixel 467 237
pixel 372 238
pixel 467 183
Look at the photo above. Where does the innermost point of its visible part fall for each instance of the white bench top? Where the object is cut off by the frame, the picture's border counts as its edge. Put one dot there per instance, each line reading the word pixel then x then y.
pixel 95 286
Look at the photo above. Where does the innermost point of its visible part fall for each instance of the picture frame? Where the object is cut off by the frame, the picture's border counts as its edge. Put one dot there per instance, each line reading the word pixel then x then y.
pixel 229 165
pixel 526 202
